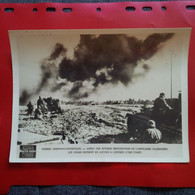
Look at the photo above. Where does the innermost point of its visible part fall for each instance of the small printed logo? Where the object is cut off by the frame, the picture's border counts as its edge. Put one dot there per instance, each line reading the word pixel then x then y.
pixel 27 151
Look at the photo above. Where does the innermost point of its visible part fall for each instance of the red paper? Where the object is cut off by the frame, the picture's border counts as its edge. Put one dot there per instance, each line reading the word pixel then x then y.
pixel 85 16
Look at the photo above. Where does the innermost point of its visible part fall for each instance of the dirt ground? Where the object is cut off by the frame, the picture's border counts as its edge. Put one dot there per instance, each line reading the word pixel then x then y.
pixel 80 124
pixel 83 124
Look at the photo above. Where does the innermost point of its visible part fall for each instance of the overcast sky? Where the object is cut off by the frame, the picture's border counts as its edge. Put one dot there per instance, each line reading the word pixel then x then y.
pixel 33 48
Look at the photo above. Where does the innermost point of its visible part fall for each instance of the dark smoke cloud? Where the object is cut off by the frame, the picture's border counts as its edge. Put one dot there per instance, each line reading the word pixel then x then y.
pixel 113 52
pixel 152 42
pixel 75 91
pixel 24 98
pixel 57 51
pixel 99 60
pixel 114 56
pixel 49 67
pixel 57 87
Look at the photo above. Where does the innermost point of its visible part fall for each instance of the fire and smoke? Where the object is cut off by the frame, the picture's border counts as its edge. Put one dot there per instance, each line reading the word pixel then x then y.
pixel 99 60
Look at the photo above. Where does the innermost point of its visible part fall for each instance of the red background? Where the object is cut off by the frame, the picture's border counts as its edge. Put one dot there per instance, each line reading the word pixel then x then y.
pixel 85 16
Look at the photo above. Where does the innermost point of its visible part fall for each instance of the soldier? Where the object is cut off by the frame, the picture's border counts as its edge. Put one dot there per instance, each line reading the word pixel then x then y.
pixel 38 114
pixel 56 105
pixel 160 108
pixel 30 108
pixel 40 102
pixel 48 103
pixel 152 134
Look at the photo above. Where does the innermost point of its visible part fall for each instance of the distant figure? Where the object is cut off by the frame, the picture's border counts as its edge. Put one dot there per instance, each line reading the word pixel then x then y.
pixel 152 134
pixel 44 107
pixel 56 106
pixel 49 103
pixel 30 108
pixel 38 114
pixel 40 103
pixel 160 108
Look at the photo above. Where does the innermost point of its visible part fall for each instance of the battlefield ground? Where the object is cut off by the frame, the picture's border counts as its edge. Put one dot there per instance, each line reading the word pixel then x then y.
pixel 79 123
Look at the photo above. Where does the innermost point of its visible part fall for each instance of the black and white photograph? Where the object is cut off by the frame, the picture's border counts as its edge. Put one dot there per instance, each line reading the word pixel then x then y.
pixel 115 95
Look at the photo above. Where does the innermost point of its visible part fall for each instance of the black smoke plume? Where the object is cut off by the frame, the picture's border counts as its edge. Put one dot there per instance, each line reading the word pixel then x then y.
pixel 108 58
pixel 75 93
pixel 58 87
pixel 58 50
pixel 100 60
pixel 48 66
pixel 24 97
